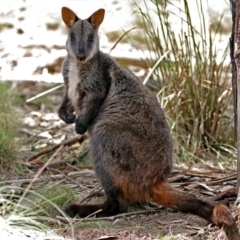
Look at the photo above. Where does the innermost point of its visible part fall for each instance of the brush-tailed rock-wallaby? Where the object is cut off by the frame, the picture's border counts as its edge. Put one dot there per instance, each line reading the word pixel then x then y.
pixel 131 146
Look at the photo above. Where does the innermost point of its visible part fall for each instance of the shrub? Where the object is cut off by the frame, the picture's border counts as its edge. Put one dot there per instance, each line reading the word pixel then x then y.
pixel 193 87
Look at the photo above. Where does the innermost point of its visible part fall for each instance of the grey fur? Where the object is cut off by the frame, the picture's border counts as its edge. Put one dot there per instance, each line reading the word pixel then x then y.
pixel 129 136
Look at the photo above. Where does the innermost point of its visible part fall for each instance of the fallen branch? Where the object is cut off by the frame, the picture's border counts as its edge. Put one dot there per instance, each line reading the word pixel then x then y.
pixel 68 142
pixel 81 173
pixel 95 191
pixel 111 218
pixel 222 180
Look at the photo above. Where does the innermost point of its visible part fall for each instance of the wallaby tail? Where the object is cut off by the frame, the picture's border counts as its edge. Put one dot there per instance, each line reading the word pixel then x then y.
pixel 219 214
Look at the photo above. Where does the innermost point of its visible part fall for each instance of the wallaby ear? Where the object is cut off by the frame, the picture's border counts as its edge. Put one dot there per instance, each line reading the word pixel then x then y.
pixel 97 18
pixel 68 16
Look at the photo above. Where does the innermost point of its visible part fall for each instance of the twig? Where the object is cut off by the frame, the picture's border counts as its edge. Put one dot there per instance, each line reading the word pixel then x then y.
pixel 28 132
pixel 225 179
pixel 111 218
pixel 64 162
pixel 44 93
pixel 119 40
pixel 52 176
pixel 96 190
pixel 68 142
pixel 22 181
pixel 92 214
pixel 176 178
pixel 156 64
pixel 70 179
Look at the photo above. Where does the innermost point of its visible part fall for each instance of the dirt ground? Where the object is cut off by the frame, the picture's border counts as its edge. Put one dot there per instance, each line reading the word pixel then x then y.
pixel 70 166
pixel 150 226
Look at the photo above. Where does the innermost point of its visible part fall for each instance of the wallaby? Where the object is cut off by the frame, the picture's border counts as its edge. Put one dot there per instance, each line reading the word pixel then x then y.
pixel 131 146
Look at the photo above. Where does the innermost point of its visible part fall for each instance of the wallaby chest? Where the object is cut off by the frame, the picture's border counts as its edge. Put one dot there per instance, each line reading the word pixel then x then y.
pixel 78 78
pixel 74 84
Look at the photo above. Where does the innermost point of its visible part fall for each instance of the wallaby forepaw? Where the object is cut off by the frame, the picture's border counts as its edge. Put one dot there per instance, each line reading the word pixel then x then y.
pixel 222 215
pixel 68 118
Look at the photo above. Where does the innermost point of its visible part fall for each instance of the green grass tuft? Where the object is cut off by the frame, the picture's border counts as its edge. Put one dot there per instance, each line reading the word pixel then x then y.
pixel 49 200
pixel 8 128
pixel 31 216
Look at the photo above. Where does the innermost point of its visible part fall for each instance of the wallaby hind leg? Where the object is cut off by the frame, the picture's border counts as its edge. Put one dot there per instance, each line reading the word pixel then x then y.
pixel 113 205
pixel 219 214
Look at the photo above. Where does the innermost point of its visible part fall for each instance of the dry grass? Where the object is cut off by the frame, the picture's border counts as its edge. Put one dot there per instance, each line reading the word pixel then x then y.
pixel 8 128
pixel 193 87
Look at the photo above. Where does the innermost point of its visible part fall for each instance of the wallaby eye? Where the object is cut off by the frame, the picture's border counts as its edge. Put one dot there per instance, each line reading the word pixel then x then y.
pixel 91 38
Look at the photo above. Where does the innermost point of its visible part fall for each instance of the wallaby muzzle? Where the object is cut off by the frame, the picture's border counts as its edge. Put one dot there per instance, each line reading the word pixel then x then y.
pixel 81 56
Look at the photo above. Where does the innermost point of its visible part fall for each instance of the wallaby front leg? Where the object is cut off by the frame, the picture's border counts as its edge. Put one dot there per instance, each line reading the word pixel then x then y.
pixel 65 112
pixel 89 110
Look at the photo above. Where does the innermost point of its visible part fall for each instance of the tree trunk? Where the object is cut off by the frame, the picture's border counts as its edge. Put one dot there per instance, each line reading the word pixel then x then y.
pixel 235 59
pixel 236 79
pixel 234 68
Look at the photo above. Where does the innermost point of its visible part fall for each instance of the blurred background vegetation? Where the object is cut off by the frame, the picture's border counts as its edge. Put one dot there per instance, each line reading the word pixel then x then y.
pixel 192 82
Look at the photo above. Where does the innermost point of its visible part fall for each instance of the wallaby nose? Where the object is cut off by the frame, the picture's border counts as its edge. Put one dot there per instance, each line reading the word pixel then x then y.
pixel 81 53
pixel 81 56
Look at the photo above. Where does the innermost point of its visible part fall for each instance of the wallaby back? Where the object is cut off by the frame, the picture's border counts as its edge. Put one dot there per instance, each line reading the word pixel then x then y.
pixel 131 146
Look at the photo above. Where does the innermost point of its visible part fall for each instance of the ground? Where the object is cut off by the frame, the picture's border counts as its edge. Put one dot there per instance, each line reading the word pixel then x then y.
pixel 47 140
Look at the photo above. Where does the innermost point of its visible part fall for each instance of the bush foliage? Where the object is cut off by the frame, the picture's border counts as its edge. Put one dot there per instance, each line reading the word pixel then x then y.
pixel 193 87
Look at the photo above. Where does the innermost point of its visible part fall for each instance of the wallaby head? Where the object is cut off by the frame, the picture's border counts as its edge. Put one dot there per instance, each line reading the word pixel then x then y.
pixel 82 43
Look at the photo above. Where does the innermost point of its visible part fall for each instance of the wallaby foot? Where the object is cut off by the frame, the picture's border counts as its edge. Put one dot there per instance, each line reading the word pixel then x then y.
pixel 82 210
pixel 166 195
pixel 110 207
